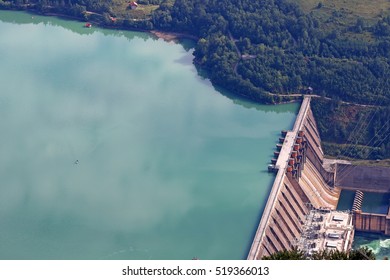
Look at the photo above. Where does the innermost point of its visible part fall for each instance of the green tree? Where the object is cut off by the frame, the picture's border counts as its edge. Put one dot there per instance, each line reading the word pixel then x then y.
pixel 293 254
pixel 363 253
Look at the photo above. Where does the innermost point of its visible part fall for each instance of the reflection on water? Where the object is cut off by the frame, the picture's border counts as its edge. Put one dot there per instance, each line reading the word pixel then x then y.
pixel 167 168
pixel 203 78
pixel 71 25
pixel 187 44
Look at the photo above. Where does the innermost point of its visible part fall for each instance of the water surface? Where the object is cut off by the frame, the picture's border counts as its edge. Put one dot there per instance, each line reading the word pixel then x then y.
pixel 113 147
pixel 377 203
pixel 379 244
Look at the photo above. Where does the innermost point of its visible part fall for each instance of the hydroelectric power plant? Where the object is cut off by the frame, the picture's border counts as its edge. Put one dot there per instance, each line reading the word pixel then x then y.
pixel 301 208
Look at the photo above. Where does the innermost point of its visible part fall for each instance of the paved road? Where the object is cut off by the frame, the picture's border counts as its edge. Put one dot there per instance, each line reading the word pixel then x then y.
pixel 318 96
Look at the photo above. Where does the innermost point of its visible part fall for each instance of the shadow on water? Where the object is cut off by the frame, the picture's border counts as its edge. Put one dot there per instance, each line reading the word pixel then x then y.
pixel 245 102
pixel 21 17
pixel 77 27
pixel 187 44
pixel 71 24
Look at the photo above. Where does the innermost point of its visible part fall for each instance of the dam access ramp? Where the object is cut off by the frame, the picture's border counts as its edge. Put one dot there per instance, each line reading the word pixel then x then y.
pixel 301 185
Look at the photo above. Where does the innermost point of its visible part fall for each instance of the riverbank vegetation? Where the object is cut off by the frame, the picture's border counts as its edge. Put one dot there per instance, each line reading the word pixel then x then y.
pixel 274 46
pixel 270 50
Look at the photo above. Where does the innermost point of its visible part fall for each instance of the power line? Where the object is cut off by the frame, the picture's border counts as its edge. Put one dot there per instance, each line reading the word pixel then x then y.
pixel 361 123
pixel 372 139
pixel 368 155
pixel 353 168
pixel 359 132
pixel 375 144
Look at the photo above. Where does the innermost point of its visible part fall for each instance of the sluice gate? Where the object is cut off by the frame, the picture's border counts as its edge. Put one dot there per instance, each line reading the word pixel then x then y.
pixel 366 179
pixel 302 185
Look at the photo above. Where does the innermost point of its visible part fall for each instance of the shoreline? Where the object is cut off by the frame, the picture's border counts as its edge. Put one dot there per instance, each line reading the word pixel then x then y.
pixel 165 35
pixel 172 36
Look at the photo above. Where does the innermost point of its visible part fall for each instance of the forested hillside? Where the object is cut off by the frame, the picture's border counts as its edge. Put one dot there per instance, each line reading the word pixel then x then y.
pixel 284 50
pixel 283 47
pixel 256 47
pixel 350 131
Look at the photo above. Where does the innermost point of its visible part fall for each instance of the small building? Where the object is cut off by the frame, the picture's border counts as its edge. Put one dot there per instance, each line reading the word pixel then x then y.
pixel 88 25
pixel 309 90
pixel 133 5
pixel 326 230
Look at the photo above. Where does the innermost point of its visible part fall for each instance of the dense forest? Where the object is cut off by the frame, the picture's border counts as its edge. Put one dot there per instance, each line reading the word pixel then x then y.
pixel 270 49
pixel 258 47
pixel 280 49
pixel 349 131
pixel 363 253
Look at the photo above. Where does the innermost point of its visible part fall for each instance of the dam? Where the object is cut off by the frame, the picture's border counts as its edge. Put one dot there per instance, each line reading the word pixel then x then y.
pixel 301 208
pixel 364 180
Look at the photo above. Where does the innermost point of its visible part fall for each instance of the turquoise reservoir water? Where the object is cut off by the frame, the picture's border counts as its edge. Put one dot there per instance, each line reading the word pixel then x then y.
pixel 372 203
pixel 377 203
pixel 113 147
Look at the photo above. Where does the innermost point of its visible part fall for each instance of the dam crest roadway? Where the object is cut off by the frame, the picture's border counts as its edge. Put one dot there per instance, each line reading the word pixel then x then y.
pixel 301 208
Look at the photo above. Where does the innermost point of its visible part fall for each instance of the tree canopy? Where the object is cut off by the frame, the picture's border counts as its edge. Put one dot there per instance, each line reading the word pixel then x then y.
pixel 269 50
pixel 272 46
pixel 258 47
pixel 363 253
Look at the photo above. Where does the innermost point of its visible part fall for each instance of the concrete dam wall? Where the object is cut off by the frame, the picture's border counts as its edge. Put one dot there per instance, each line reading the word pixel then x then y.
pixel 366 179
pixel 369 222
pixel 301 184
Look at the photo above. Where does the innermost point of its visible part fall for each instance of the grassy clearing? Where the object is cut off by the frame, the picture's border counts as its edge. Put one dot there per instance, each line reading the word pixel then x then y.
pixel 142 12
pixel 121 9
pixel 364 8
pixel 342 14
